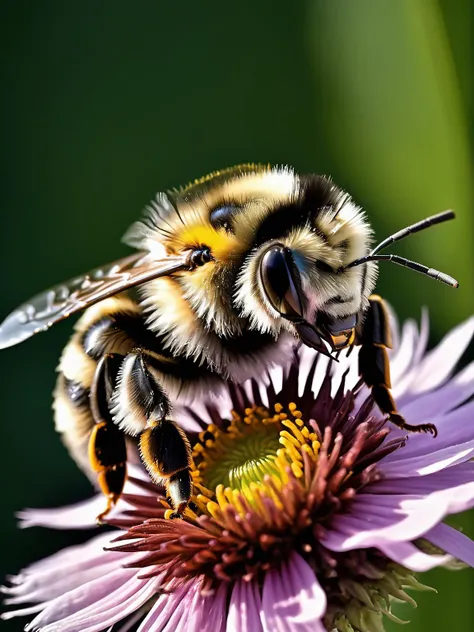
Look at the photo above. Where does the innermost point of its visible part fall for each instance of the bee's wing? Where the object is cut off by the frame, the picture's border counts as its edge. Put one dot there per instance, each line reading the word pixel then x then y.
pixel 49 307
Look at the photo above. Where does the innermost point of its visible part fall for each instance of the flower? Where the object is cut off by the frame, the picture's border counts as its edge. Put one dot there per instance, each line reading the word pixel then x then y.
pixel 309 512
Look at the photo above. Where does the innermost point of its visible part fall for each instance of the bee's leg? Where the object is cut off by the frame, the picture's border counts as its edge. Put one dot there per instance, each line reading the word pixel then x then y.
pixel 374 368
pixel 166 452
pixel 164 447
pixel 107 449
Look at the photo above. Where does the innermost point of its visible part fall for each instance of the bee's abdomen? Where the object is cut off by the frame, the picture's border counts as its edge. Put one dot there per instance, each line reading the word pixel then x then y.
pixel 112 326
pixel 118 326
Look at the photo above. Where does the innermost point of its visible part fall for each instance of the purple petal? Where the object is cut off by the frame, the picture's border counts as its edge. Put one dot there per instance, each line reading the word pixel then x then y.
pixel 320 374
pixel 406 554
pixel 402 357
pixel 424 485
pixel 394 325
pixel 348 365
pixel 423 336
pixel 244 609
pixel 373 518
pixel 306 358
pixel 292 599
pixel 402 379
pixel 455 434
pixel 418 460
pixel 453 542
pixel 368 524
pixel 439 363
pixel 445 398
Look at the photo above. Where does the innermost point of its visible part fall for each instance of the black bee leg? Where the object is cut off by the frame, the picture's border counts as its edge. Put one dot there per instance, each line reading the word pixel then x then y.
pixel 107 449
pixel 164 447
pixel 166 452
pixel 374 367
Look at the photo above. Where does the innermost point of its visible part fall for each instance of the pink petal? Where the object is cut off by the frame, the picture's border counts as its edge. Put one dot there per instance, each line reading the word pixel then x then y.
pixel 57 585
pixel 81 598
pixel 216 621
pixel 23 612
pixel 209 613
pixel 453 542
pixel 292 599
pixel 81 515
pixel 66 570
pixel 129 623
pixel 244 608
pixel 114 607
pixel 167 605
pixel 183 613
pixel 65 557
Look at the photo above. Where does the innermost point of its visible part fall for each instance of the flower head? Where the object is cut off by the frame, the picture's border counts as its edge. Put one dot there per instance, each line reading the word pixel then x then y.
pixel 309 512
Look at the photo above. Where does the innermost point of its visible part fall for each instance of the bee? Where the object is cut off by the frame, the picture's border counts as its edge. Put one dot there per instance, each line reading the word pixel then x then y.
pixel 230 273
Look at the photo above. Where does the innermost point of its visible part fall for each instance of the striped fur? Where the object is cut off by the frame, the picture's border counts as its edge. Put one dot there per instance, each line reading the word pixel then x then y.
pixel 177 375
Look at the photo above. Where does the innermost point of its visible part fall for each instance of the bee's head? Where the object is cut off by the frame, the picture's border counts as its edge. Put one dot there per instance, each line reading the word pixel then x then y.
pixel 293 277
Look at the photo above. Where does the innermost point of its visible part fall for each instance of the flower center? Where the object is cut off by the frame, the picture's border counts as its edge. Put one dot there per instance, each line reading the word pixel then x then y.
pixel 241 455
pixel 267 482
pixel 252 453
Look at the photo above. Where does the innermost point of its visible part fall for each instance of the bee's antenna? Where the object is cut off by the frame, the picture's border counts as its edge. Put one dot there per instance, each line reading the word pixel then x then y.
pixel 413 265
pixel 414 228
pixel 402 261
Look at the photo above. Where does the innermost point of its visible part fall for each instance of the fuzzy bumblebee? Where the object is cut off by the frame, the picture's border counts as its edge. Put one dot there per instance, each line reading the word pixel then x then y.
pixel 231 272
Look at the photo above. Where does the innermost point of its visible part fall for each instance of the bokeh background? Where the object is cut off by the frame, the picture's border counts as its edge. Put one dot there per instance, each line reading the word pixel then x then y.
pixel 106 103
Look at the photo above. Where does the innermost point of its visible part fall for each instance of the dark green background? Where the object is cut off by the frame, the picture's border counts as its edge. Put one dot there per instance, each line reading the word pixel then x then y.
pixel 104 103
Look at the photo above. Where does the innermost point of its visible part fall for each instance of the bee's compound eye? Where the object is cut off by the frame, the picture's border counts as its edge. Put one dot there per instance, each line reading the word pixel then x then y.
pixel 280 281
pixel 222 217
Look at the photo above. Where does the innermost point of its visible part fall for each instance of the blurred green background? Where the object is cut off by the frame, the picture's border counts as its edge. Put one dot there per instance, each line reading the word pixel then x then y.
pixel 105 103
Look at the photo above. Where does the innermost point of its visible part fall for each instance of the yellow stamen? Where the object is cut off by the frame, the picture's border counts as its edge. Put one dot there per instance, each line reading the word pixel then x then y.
pixel 252 459
pixel 221 499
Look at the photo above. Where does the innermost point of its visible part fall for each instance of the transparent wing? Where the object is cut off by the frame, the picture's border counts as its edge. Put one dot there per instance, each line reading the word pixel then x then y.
pixel 51 306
